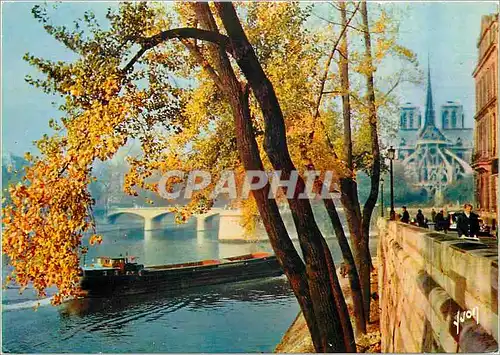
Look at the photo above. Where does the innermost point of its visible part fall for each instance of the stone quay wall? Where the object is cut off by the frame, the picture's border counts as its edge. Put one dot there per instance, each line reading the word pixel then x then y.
pixel 425 279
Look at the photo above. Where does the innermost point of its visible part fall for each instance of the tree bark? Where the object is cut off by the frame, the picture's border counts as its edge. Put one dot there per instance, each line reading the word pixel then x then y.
pixel 348 185
pixel 354 282
pixel 324 320
pixel 373 121
pixel 312 242
pixel 281 243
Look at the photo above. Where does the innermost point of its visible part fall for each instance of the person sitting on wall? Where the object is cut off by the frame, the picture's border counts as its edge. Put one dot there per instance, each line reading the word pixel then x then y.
pixel 406 216
pixel 468 223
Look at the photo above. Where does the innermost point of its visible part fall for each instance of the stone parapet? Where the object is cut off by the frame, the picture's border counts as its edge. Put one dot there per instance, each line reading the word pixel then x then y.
pixel 425 279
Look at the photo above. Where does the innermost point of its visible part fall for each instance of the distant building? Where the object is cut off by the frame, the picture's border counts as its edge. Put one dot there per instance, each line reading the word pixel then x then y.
pixel 434 157
pixel 452 115
pixel 485 157
pixel 453 128
pixel 410 121
pixel 410 117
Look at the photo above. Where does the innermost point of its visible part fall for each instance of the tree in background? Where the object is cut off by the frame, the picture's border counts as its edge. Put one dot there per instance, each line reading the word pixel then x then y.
pixel 107 189
pixel 404 192
pixel 362 105
pixel 460 191
pixel 407 194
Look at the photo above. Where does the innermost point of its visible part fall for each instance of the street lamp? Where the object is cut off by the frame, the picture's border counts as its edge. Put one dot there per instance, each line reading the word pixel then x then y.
pixel 382 197
pixel 391 154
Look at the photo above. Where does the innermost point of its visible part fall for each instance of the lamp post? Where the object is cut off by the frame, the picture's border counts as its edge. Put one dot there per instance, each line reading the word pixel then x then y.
pixel 382 198
pixel 391 154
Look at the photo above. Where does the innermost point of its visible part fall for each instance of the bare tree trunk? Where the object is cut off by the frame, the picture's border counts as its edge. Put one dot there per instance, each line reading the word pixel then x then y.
pixel 324 301
pixel 312 243
pixel 348 186
pixel 352 272
pixel 373 121
pixel 281 243
pixel 354 282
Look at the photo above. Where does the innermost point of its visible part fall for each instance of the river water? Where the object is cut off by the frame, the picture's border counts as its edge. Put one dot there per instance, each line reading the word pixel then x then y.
pixel 242 317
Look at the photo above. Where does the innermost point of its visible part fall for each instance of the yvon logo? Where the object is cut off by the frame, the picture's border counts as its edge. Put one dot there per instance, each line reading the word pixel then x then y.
pixel 463 316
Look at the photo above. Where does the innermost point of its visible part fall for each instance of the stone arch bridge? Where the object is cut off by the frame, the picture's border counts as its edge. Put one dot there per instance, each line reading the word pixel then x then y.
pixel 229 220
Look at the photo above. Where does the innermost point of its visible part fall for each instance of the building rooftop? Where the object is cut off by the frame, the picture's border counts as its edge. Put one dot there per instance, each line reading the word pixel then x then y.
pixel 452 103
pixel 406 139
pixel 462 135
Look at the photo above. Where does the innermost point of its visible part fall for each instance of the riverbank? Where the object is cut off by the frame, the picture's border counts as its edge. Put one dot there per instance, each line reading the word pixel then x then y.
pixel 297 338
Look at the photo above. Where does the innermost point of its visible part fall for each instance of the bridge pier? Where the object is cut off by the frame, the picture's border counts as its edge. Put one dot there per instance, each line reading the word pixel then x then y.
pixel 200 222
pixel 230 227
pixel 205 221
pixel 151 224
pixel 148 235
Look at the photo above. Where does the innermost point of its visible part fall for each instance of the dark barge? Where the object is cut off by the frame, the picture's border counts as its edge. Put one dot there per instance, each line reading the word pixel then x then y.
pixel 120 276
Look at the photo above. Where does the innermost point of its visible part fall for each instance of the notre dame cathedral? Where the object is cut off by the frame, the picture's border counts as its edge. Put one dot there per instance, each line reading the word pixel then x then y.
pixel 434 156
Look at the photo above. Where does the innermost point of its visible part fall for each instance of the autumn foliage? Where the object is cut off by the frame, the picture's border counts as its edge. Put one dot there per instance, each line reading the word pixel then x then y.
pixel 51 208
pixel 170 106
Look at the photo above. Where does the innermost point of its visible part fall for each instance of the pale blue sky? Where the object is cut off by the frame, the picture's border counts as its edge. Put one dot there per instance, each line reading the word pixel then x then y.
pixel 26 110
pixel 446 30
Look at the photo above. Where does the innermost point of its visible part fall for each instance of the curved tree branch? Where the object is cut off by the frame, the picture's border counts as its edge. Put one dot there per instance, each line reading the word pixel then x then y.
pixel 326 297
pixel 315 278
pixel 179 33
pixel 394 86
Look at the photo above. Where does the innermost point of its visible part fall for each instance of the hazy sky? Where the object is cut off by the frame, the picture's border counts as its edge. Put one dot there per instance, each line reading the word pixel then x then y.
pixel 448 31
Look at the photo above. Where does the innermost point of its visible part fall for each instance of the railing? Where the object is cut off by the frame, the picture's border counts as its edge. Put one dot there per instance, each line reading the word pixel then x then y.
pixel 429 285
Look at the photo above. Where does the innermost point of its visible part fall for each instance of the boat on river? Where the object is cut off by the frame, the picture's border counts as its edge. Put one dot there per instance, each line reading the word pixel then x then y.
pixel 122 276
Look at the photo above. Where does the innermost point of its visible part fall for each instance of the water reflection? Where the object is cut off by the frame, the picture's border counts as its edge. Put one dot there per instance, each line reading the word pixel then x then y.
pixel 241 317
pixel 172 244
pixel 216 296
pixel 120 317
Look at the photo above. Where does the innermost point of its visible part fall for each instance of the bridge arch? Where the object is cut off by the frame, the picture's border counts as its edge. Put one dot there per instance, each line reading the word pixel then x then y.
pixel 114 215
pixel 160 215
pixel 151 216
pixel 227 222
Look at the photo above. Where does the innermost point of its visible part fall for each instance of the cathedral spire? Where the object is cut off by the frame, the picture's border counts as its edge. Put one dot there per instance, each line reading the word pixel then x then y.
pixel 429 105
pixel 429 131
